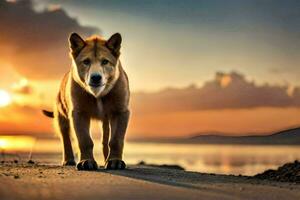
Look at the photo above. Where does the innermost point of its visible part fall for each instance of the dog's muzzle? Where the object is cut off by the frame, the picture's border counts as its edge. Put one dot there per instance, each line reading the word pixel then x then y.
pixel 95 80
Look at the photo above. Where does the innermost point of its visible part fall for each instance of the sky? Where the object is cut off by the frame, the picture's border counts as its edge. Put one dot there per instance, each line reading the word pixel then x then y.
pixel 194 66
pixel 194 39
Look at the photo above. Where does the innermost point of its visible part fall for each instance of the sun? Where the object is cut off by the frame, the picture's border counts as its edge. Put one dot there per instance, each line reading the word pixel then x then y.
pixel 5 98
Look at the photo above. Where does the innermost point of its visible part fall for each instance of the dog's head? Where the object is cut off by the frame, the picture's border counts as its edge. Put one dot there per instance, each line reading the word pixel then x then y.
pixel 95 62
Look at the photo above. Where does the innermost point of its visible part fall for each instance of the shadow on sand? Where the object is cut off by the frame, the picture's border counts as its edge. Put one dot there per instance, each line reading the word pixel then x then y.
pixel 175 177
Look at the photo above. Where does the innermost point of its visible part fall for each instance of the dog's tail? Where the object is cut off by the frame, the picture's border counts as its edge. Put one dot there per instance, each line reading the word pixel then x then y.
pixel 48 113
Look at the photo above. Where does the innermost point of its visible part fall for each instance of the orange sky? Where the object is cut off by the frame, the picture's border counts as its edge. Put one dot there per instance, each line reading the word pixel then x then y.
pixel 168 124
pixel 227 122
pixel 150 116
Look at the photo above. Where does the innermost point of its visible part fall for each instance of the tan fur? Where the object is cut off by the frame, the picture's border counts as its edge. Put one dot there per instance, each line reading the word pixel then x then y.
pixel 78 103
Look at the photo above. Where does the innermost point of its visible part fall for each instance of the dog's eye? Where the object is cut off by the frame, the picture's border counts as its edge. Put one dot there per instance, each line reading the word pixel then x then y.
pixel 108 68
pixel 104 62
pixel 86 61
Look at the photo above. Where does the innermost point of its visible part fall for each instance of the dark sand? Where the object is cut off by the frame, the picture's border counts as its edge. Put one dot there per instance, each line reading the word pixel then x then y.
pixel 37 182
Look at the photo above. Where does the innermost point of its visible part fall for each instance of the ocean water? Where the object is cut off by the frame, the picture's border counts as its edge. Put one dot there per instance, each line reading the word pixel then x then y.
pixel 221 159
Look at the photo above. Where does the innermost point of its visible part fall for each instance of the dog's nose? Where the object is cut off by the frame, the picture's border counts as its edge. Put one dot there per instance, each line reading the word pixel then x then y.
pixel 96 78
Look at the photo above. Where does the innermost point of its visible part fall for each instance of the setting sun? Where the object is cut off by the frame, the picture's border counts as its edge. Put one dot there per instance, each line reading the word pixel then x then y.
pixel 5 98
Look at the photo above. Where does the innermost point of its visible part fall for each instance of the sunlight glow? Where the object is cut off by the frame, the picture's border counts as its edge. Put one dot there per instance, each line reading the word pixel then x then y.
pixel 23 82
pixel 20 84
pixel 16 143
pixel 3 143
pixel 5 98
pixel 225 81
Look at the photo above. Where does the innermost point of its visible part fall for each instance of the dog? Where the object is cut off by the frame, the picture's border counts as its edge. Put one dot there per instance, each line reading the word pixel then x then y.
pixel 96 87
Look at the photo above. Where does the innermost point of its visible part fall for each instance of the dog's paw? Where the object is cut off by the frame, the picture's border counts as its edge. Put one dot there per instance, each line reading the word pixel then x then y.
pixel 69 163
pixel 87 165
pixel 115 164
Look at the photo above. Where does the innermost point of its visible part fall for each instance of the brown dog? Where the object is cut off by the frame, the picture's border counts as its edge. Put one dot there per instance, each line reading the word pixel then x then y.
pixel 96 87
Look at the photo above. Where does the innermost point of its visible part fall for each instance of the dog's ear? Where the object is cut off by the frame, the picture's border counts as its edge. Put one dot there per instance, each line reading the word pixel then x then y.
pixel 76 43
pixel 114 43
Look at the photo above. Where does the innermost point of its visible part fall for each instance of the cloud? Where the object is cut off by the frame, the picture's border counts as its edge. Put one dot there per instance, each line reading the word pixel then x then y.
pixel 22 87
pixel 225 91
pixel 35 43
pixel 25 90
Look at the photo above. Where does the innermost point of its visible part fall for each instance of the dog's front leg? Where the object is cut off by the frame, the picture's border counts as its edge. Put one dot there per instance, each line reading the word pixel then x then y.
pixel 119 122
pixel 81 125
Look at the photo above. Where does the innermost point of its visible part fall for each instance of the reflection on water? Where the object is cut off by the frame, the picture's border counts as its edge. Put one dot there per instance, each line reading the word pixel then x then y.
pixel 223 159
pixel 16 143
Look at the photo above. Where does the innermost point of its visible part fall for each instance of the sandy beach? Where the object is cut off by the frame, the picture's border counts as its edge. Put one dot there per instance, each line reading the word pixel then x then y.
pixel 38 181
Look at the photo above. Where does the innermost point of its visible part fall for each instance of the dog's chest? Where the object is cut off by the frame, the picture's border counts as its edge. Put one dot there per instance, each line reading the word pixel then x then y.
pixel 99 109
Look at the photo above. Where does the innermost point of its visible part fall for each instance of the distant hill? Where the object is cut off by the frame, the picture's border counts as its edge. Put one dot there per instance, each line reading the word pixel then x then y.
pixel 286 137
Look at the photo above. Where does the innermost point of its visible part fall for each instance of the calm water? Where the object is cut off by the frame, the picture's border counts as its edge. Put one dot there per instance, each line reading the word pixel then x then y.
pixel 222 159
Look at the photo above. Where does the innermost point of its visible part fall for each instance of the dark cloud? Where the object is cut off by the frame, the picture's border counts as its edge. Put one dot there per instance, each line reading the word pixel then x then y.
pixel 226 91
pixel 233 15
pixel 35 43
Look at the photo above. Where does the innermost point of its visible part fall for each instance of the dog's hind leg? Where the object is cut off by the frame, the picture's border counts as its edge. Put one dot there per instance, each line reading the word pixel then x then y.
pixel 64 129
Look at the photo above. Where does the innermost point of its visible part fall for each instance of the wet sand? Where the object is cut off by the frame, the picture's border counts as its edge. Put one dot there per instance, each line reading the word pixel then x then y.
pixel 38 181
